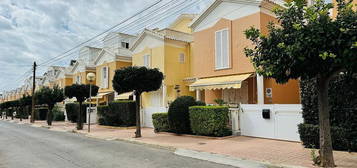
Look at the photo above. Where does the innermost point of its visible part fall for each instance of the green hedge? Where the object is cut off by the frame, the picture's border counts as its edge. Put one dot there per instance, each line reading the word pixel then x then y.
pixel 178 114
pixel 343 113
pixel 210 120
pixel 161 122
pixel 309 135
pixel 72 111
pixel 58 114
pixel 117 113
pixel 41 114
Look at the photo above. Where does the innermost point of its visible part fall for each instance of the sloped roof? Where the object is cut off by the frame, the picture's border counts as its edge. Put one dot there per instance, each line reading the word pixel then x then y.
pixel 163 34
pixel 263 3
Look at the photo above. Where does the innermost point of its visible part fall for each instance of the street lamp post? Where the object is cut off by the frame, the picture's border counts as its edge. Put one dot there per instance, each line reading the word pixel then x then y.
pixel 90 78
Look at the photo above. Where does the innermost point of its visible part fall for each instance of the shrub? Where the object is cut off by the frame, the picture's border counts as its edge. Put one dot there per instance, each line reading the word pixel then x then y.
pixel 58 114
pixel 178 114
pixel 72 111
pixel 210 120
pixel 343 113
pixel 41 114
pixel 117 113
pixel 125 110
pixel 102 110
pixel 309 135
pixel 161 122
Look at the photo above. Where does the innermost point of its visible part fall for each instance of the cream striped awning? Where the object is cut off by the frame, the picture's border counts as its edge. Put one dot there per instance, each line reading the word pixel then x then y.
pixel 224 82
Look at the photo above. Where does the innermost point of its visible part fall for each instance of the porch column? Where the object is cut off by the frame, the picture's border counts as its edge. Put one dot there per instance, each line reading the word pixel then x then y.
pixel 198 95
pixel 164 91
pixel 260 89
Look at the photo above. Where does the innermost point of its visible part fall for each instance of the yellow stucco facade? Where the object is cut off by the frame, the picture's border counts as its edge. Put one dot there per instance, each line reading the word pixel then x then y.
pixel 172 58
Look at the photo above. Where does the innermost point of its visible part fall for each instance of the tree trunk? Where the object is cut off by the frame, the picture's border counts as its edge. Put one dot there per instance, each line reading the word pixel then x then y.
pixel 79 119
pixel 138 126
pixel 49 115
pixel 20 114
pixel 326 152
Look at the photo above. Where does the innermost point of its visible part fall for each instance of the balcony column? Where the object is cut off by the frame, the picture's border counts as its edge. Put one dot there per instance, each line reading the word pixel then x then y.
pixel 198 95
pixel 260 89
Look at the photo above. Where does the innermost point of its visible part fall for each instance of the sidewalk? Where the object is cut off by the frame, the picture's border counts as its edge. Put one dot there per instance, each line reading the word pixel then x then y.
pixel 247 148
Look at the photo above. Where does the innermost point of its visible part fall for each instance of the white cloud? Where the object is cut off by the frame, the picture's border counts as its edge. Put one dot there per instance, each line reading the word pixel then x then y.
pixel 43 29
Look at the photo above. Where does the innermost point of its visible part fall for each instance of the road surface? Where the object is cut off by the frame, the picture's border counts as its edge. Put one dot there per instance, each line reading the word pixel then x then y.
pixel 24 146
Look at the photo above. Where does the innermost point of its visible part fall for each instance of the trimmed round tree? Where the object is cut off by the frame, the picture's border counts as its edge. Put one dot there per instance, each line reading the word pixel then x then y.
pixel 308 44
pixel 81 93
pixel 49 96
pixel 139 80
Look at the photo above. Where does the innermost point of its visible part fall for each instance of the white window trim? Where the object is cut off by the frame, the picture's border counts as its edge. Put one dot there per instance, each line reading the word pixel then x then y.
pixel 228 50
pixel 149 60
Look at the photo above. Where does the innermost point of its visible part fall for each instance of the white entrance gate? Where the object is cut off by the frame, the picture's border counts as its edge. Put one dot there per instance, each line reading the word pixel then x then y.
pixel 156 106
pixel 282 124
pixel 147 115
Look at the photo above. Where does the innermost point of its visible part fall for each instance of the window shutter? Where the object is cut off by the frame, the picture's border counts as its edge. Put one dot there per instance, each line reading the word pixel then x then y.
pixel 182 58
pixel 106 81
pixel 225 49
pixel 218 49
pixel 147 60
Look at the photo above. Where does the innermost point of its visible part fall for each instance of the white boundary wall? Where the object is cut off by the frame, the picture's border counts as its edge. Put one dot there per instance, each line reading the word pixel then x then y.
pixel 282 124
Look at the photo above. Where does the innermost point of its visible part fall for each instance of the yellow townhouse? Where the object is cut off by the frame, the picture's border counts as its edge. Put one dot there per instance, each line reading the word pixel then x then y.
pixel 84 64
pixel 49 77
pixel 114 55
pixel 169 50
pixel 64 77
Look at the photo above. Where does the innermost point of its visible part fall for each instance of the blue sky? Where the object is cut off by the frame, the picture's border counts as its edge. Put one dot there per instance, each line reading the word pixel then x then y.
pixel 42 29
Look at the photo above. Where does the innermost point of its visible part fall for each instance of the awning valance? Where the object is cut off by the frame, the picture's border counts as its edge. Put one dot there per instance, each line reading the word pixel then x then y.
pixel 100 95
pixel 224 82
pixel 123 95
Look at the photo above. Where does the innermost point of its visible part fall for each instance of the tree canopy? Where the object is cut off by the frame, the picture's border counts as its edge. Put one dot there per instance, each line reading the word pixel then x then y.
pixel 49 96
pixel 140 79
pixel 80 91
pixel 307 43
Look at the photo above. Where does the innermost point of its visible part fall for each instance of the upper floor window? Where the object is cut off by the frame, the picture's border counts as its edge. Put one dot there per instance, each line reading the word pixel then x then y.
pixel 182 58
pixel 147 60
pixel 78 79
pixel 222 49
pixel 125 45
pixel 105 78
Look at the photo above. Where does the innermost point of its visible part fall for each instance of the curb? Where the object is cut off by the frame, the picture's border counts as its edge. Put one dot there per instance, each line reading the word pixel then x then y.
pixel 228 160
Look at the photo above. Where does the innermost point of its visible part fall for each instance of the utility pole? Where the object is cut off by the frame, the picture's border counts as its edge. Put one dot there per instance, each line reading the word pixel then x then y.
pixel 33 93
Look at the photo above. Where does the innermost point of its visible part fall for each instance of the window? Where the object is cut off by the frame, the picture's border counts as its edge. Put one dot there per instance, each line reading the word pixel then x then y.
pixel 182 58
pixel 147 60
pixel 222 49
pixel 105 79
pixel 78 79
pixel 124 44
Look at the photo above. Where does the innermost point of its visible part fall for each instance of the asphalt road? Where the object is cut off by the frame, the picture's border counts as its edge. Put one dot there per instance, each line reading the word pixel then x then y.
pixel 23 146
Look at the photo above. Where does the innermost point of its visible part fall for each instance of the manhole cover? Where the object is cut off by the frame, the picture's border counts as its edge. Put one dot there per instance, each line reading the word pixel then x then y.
pixel 201 143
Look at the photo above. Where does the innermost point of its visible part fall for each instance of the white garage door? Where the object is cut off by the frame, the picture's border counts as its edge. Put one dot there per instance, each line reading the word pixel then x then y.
pixel 282 124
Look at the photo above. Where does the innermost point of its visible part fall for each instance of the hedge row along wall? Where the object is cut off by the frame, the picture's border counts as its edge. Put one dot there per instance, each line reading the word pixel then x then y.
pixel 343 113
pixel 72 111
pixel 161 122
pixel 210 120
pixel 117 113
